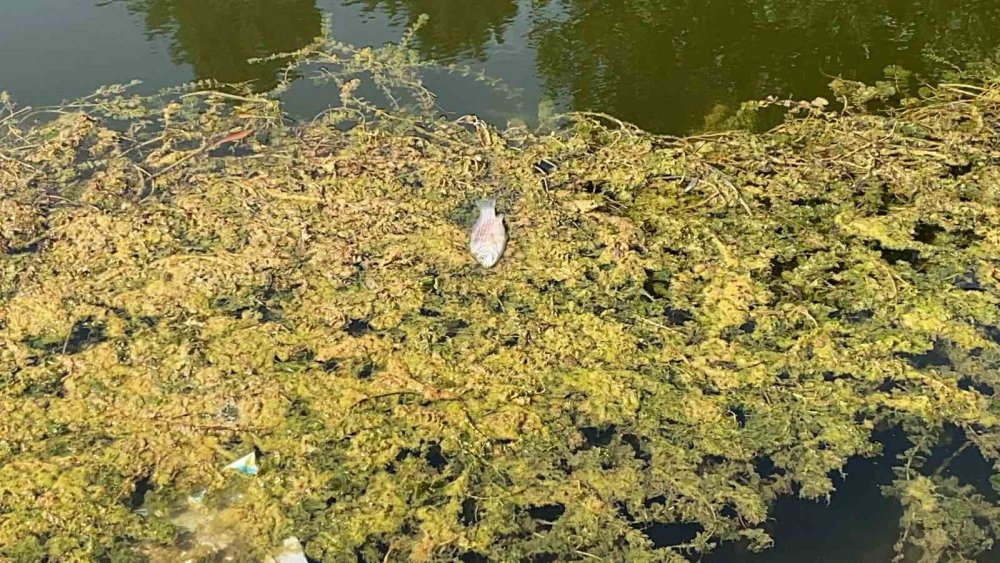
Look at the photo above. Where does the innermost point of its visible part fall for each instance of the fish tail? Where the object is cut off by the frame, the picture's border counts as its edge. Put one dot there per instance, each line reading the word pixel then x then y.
pixel 488 206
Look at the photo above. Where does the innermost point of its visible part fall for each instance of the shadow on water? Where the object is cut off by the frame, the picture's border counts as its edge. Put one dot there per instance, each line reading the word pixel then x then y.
pixel 218 37
pixel 669 66
pixel 678 65
pixel 859 524
pixel 456 30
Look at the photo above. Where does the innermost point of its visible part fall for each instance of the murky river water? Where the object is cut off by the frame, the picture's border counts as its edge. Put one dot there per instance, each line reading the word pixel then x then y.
pixel 667 65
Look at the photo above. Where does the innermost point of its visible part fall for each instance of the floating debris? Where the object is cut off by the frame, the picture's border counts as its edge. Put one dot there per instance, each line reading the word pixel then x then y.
pixel 213 529
pixel 246 465
pixel 545 166
pixel 291 552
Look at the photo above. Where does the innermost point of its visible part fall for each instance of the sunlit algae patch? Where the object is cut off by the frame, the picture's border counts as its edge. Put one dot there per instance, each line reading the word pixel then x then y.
pixel 680 330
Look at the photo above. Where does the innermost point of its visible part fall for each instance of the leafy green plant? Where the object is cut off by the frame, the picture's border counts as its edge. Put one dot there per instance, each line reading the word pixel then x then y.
pixel 187 278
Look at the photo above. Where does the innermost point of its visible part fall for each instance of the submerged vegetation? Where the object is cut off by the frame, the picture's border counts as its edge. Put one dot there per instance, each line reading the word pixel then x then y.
pixel 680 331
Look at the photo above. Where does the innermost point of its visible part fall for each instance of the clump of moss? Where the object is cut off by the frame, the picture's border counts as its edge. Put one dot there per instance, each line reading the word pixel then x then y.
pixel 681 330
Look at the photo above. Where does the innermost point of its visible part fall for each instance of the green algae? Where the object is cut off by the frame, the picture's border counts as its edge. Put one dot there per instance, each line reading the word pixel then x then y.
pixel 670 317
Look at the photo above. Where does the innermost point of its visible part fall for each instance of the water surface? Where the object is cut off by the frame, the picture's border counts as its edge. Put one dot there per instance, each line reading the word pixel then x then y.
pixel 667 65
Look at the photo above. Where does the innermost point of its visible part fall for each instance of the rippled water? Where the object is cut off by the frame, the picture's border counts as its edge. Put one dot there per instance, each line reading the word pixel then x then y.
pixel 667 65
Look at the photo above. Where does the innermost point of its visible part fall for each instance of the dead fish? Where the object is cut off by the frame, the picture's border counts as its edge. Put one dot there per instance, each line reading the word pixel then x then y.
pixel 489 237
pixel 234 136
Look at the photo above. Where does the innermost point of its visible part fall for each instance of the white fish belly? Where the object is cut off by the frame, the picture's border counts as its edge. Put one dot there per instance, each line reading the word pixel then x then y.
pixel 488 236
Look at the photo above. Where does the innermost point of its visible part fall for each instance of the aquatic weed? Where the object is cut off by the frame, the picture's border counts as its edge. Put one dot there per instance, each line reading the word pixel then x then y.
pixel 670 312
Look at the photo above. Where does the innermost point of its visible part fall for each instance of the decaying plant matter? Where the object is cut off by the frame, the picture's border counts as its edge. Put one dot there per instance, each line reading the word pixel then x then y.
pixel 680 331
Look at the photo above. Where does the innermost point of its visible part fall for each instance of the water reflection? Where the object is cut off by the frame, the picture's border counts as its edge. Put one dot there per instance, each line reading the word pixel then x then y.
pixel 216 37
pixel 455 29
pixel 666 64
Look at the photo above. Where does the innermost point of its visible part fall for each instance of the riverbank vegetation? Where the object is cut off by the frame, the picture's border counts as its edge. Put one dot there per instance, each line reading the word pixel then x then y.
pixel 680 331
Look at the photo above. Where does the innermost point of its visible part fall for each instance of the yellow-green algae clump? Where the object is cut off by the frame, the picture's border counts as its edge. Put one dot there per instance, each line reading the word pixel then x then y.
pixel 680 331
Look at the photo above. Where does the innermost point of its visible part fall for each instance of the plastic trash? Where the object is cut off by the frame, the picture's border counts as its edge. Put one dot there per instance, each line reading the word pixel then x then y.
pixel 246 465
pixel 291 552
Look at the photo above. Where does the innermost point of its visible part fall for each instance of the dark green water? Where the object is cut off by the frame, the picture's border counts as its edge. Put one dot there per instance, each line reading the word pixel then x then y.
pixel 663 64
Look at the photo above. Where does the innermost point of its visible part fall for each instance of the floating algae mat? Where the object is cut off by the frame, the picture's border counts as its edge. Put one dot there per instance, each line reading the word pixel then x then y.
pixel 680 330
